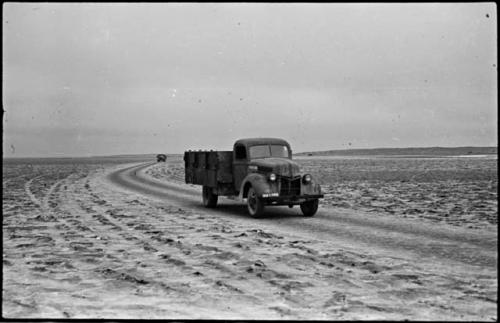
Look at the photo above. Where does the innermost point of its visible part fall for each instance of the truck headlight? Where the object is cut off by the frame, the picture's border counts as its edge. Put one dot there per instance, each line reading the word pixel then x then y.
pixel 272 177
pixel 306 179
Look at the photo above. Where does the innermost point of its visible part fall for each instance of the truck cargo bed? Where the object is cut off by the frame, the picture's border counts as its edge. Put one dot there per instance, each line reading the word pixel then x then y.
pixel 209 168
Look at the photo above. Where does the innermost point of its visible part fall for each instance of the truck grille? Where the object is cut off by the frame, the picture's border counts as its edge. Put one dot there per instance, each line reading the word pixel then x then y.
pixel 290 186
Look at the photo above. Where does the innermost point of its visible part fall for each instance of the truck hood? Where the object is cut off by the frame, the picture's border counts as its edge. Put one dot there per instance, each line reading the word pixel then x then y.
pixel 279 166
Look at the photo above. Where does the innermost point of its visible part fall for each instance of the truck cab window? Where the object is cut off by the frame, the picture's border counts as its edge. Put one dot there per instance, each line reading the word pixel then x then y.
pixel 240 152
pixel 260 151
pixel 264 151
pixel 279 151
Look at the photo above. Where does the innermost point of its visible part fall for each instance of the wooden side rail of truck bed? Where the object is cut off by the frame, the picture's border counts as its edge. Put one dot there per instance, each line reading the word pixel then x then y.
pixel 210 168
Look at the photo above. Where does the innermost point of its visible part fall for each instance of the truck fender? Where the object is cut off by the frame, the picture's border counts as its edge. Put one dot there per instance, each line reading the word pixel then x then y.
pixel 255 180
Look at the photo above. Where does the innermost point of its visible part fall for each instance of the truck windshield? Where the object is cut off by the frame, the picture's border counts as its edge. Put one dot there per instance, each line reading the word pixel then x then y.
pixel 263 151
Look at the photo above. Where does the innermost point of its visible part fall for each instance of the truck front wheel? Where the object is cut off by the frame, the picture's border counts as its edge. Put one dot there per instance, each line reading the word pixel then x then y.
pixel 209 198
pixel 309 208
pixel 254 203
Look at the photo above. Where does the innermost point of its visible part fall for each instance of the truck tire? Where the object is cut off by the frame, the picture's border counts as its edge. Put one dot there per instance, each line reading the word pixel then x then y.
pixel 309 208
pixel 254 203
pixel 209 198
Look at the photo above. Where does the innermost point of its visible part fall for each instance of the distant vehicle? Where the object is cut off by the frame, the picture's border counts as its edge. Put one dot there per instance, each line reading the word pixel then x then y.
pixel 161 158
pixel 258 169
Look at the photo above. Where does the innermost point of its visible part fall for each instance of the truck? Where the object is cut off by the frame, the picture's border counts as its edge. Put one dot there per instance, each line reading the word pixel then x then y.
pixel 161 158
pixel 258 170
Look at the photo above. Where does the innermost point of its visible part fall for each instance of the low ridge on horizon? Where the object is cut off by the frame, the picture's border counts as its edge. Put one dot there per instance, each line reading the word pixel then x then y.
pixel 462 150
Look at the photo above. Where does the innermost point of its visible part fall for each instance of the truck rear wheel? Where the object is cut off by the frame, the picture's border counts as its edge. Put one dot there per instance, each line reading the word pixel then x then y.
pixel 254 203
pixel 309 208
pixel 209 198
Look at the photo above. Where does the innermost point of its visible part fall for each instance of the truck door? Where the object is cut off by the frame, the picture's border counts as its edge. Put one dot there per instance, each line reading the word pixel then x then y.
pixel 240 165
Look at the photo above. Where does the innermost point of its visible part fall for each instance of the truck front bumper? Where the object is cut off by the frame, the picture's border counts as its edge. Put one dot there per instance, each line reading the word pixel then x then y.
pixel 289 200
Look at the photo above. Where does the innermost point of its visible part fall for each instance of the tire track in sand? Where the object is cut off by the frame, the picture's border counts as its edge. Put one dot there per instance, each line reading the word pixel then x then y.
pixel 114 238
pixel 49 195
pixel 27 189
pixel 201 264
pixel 44 202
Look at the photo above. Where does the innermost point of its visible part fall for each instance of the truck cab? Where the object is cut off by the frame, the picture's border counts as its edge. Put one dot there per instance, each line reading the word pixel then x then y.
pixel 249 154
pixel 260 170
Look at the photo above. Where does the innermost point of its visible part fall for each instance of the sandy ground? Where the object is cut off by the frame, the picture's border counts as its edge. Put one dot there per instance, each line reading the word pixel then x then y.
pixel 458 191
pixel 78 245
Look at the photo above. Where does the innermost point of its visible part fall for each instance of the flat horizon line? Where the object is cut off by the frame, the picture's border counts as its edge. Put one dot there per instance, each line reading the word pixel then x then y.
pixel 298 153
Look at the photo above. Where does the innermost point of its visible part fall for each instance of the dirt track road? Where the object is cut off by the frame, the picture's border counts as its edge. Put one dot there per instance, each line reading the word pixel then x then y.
pixel 90 239
pixel 387 236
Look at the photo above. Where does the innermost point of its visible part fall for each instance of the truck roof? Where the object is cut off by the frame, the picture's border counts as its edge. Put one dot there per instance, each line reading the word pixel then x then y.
pixel 261 141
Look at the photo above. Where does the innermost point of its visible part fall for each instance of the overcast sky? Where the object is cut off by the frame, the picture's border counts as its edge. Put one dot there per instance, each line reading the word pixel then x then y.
pixel 125 78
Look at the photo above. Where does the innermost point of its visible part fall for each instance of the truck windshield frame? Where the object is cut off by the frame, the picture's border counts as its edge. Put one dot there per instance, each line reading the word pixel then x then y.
pixel 268 151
